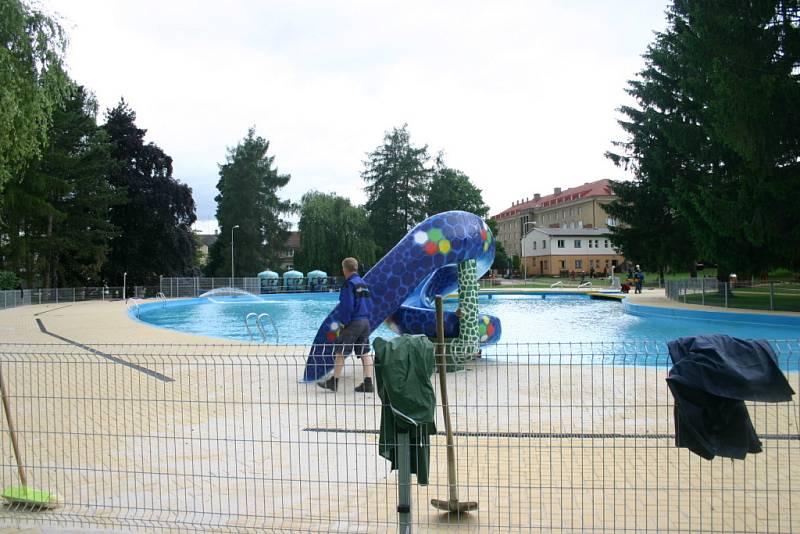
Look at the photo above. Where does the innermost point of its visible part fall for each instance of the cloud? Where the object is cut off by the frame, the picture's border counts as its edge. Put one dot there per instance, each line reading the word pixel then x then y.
pixel 520 95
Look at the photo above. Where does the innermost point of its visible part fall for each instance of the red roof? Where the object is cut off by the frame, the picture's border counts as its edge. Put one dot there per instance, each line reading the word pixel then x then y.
pixel 592 189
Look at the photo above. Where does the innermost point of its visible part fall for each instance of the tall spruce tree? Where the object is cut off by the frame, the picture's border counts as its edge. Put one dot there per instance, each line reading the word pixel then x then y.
pixel 32 83
pixel 248 197
pixel 55 218
pixel 155 220
pixel 397 177
pixel 715 135
pixel 331 228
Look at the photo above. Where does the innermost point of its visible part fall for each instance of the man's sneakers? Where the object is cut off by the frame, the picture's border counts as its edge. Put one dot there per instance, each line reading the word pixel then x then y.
pixel 366 386
pixel 332 384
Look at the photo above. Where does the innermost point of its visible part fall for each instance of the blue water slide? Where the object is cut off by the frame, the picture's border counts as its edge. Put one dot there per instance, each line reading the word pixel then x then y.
pixel 405 282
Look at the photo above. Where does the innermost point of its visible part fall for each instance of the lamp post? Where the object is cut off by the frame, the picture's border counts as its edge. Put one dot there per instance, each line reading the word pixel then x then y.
pixel 125 286
pixel 524 233
pixel 232 229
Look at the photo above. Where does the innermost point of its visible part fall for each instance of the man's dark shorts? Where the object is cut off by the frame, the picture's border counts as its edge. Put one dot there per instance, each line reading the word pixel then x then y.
pixel 354 338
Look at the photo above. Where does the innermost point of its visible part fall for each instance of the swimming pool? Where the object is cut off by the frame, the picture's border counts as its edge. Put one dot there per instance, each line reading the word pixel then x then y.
pixel 550 318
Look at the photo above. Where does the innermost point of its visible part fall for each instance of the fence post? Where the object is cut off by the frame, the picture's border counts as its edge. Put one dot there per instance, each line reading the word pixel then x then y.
pixel 403 483
pixel 703 291
pixel 56 295
pixel 685 290
pixel 725 288
pixel 772 296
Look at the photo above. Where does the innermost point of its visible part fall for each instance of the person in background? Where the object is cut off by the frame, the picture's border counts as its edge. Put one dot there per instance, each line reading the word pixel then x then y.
pixel 355 306
pixel 638 280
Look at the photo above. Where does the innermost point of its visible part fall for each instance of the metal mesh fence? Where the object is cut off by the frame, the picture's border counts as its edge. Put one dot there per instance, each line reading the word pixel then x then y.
pixel 549 437
pixel 174 287
pixel 754 295
pixel 26 297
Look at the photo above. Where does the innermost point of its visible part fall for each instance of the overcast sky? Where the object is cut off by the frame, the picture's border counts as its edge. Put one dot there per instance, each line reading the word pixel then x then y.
pixel 521 96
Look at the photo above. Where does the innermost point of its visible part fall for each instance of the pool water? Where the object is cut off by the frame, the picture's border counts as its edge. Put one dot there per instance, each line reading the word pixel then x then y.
pixel 525 319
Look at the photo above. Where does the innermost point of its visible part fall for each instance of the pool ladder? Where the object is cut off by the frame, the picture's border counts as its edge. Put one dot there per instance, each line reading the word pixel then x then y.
pixel 259 323
pixel 162 298
pixel 133 302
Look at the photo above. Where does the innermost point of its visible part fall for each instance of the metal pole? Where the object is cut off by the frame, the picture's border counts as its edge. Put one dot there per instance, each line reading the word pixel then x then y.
pixel 772 296
pixel 725 288
pixel 703 290
pixel 403 483
pixel 125 286
pixel 232 275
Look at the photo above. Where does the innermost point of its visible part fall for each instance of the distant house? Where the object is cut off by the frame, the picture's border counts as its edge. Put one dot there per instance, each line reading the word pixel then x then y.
pixel 204 242
pixel 554 251
pixel 286 258
pixel 577 207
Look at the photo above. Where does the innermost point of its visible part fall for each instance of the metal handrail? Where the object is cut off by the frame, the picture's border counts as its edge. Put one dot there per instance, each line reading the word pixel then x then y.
pixel 585 284
pixel 557 284
pixel 274 326
pixel 133 302
pixel 247 323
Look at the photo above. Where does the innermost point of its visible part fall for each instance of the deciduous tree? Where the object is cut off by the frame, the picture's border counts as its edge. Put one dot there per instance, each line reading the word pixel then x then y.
pixel 32 83
pixel 331 228
pixel 451 189
pixel 155 220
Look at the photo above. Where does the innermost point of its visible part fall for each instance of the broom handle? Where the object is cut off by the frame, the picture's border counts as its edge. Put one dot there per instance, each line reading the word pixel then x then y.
pixel 442 361
pixel 11 431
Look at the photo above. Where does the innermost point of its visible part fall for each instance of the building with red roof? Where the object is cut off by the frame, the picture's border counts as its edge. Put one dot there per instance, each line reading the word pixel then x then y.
pixel 573 208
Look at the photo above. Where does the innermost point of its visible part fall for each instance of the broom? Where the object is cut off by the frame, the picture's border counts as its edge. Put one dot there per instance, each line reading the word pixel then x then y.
pixel 22 494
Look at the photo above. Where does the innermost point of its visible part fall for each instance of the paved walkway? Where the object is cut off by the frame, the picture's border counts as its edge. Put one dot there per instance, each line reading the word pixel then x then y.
pixel 152 429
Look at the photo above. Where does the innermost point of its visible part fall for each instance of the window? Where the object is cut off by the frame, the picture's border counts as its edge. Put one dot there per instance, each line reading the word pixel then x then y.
pixel 579 210
pixel 534 245
pixel 577 243
pixel 579 264
pixel 560 243
pixel 596 244
pixel 580 224
pixel 544 243
pixel 606 243
pixel 590 245
pixel 563 215
pixel 563 264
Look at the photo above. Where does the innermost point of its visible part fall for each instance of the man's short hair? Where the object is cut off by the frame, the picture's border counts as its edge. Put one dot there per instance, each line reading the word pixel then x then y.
pixel 351 264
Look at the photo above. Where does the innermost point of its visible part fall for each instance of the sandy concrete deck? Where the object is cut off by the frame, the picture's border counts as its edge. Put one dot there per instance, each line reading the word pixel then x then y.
pixel 228 440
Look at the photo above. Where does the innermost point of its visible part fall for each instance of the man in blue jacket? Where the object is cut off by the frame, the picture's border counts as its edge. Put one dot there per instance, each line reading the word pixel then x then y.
pixel 355 306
